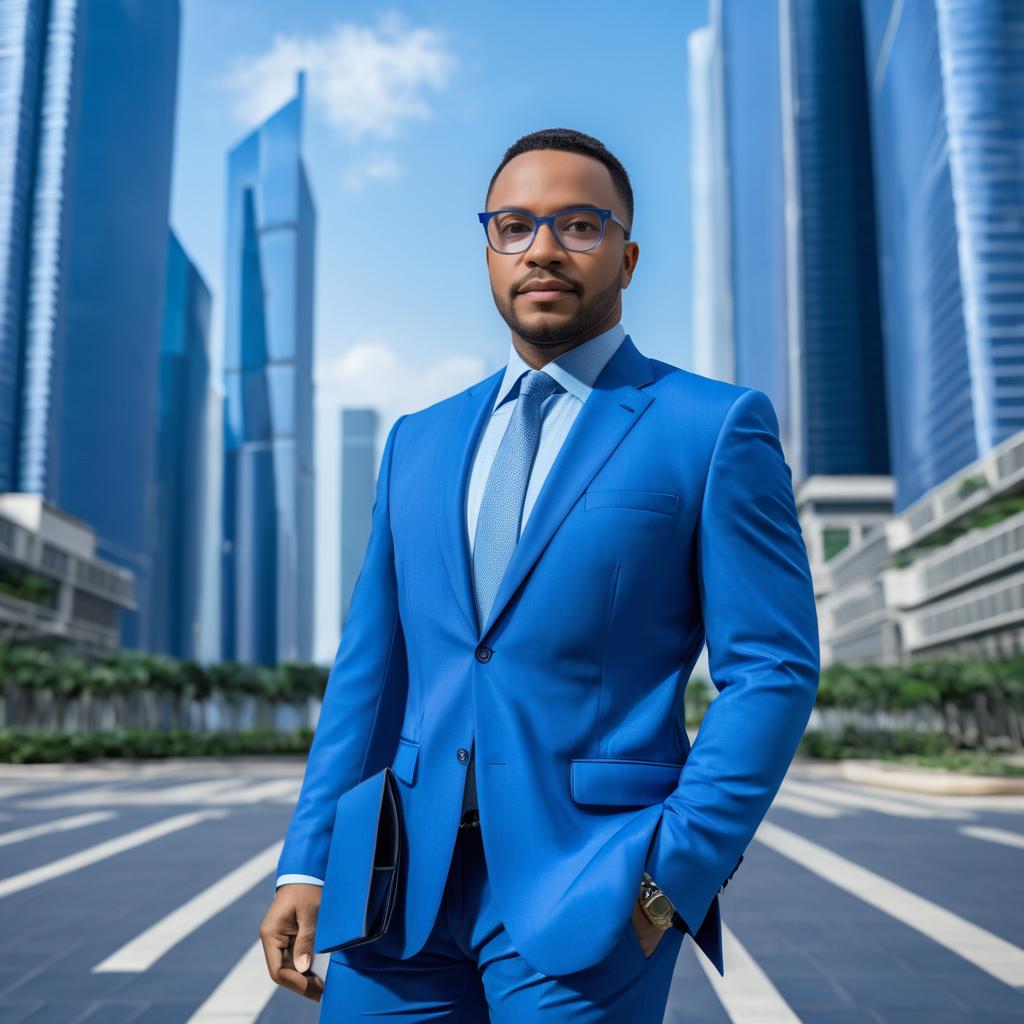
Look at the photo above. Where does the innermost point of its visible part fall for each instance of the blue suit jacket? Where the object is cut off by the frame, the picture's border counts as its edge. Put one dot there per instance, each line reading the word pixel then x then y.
pixel 667 520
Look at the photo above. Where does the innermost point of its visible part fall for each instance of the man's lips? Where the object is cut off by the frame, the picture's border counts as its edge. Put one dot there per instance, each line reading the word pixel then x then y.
pixel 545 291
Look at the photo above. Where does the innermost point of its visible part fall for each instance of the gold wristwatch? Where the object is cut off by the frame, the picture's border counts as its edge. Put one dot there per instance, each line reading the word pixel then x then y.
pixel 655 904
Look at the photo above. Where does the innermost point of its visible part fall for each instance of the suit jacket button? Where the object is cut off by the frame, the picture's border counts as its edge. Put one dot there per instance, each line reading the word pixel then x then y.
pixel 483 654
pixel 463 754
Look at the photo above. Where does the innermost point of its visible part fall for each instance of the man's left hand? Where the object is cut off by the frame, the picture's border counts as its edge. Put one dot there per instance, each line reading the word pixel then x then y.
pixel 647 932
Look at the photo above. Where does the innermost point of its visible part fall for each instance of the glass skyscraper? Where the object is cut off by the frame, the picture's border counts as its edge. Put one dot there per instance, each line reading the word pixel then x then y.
pixel 747 33
pixel 181 461
pixel 267 551
pixel 713 343
pixel 358 487
pixel 87 101
pixel 800 280
pixel 947 98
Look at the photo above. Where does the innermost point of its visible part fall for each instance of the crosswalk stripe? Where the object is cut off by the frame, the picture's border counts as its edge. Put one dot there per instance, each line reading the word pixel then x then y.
pixel 243 994
pixel 746 993
pixel 868 801
pixel 19 835
pixel 989 952
pixel 994 835
pixel 83 858
pixel 804 806
pixel 188 793
pixel 275 789
pixel 140 953
pixel 7 791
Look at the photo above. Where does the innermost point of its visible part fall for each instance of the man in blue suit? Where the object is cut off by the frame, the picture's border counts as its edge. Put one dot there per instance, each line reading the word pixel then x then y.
pixel 550 550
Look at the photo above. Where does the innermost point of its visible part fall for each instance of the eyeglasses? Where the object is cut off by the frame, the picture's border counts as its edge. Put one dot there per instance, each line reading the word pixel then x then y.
pixel 577 228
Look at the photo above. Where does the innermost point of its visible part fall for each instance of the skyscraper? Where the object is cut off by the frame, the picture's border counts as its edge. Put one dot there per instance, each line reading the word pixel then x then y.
pixel 182 451
pixel 947 115
pixel 713 343
pixel 358 486
pixel 267 551
pixel 798 263
pixel 838 424
pixel 87 100
pixel 748 37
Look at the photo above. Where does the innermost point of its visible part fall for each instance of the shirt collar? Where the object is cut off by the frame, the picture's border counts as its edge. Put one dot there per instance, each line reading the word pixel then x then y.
pixel 576 370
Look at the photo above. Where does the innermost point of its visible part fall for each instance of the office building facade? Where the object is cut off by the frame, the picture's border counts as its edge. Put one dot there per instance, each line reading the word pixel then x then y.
pixel 268 480
pixel 87 120
pixel 182 442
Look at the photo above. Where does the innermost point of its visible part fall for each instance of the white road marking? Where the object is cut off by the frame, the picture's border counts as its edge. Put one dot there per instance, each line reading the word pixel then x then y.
pixel 140 953
pixel 19 835
pixel 802 805
pixel 208 791
pixel 83 858
pixel 6 792
pixel 746 992
pixel 241 997
pixel 994 835
pixel 868 801
pixel 276 790
pixel 989 952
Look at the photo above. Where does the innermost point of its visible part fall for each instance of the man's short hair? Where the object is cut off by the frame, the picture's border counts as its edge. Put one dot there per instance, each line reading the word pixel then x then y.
pixel 571 141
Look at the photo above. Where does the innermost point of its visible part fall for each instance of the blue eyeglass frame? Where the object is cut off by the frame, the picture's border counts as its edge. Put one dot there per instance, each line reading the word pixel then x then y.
pixel 605 215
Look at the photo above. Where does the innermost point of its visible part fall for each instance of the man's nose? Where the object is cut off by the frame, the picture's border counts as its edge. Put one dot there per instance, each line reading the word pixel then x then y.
pixel 545 245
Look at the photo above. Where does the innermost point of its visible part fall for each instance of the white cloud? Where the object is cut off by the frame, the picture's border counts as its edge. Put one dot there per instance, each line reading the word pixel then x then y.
pixel 374 168
pixel 366 81
pixel 370 373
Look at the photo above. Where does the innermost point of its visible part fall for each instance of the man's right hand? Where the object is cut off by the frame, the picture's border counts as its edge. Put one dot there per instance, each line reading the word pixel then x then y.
pixel 287 937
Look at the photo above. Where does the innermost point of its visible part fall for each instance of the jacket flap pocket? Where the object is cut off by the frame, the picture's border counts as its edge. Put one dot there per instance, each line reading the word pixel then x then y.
pixel 406 756
pixel 652 501
pixel 622 782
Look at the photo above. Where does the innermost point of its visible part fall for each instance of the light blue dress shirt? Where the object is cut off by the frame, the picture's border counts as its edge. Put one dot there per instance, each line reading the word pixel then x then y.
pixel 576 370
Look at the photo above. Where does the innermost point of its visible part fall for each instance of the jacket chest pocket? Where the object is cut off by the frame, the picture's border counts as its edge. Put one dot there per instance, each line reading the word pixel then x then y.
pixel 662 502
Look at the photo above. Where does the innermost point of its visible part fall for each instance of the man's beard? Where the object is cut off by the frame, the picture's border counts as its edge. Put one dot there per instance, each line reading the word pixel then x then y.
pixel 589 314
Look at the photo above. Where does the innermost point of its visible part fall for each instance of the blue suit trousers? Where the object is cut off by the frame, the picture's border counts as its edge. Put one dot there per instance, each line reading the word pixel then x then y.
pixel 468 972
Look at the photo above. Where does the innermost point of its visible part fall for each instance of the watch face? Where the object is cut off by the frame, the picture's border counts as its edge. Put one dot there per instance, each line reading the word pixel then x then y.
pixel 660 906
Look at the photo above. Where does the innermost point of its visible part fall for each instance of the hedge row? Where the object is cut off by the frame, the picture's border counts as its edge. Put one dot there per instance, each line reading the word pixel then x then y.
pixel 49 667
pixel 931 749
pixel 928 682
pixel 52 668
pixel 19 746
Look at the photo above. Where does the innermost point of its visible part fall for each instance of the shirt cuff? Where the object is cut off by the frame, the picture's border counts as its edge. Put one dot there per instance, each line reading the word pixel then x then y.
pixel 306 879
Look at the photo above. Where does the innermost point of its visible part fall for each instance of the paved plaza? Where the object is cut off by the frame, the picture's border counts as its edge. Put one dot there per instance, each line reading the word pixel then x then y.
pixel 132 894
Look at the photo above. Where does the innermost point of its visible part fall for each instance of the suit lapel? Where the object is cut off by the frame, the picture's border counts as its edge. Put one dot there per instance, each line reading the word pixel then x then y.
pixel 611 410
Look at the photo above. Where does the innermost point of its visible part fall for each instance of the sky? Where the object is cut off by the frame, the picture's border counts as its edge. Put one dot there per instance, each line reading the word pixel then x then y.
pixel 410 108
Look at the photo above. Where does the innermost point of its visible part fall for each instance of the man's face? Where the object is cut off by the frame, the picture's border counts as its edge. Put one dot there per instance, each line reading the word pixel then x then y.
pixel 544 181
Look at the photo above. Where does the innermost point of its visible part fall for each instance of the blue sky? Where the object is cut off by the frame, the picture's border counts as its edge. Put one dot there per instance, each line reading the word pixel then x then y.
pixel 410 108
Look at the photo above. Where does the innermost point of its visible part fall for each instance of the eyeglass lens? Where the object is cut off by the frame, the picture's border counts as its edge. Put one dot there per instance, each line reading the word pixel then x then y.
pixel 577 230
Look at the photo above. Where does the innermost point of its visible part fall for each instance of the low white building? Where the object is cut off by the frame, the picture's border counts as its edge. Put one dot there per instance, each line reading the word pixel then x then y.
pixel 52 583
pixel 943 578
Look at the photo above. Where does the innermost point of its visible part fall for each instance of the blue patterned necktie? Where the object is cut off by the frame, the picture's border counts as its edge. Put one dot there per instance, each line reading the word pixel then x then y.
pixel 501 513
pixel 501 507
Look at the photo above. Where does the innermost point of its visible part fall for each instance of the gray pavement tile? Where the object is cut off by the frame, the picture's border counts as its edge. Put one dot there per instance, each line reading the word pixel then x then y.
pixel 879 964
pixel 810 993
pixel 856 1015
pixel 54 1012
pixel 114 1013
pixel 920 992
pixel 982 993
pixel 16 1012
pixel 288 1008
pixel 907 1015
pixel 166 1013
